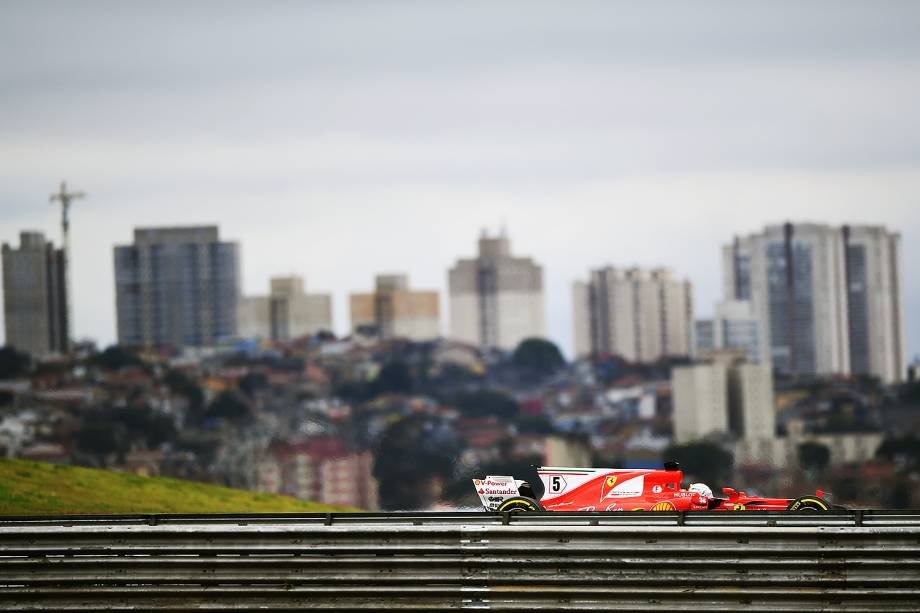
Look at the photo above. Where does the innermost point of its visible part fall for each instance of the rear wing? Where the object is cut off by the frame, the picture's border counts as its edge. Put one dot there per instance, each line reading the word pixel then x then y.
pixel 493 490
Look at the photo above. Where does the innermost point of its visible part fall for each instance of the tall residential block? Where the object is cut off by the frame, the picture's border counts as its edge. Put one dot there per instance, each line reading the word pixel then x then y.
pixel 830 299
pixel 35 296
pixel 640 315
pixel 723 394
pixel 393 310
pixel 700 401
pixel 176 287
pixel 496 299
pixel 320 469
pixel 735 326
pixel 286 313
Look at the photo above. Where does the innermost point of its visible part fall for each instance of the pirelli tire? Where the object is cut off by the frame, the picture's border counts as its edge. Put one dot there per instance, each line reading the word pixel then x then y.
pixel 519 504
pixel 809 503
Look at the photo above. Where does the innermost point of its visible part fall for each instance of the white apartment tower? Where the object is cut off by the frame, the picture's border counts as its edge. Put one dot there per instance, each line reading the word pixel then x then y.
pixel 286 313
pixel 640 315
pixel 496 299
pixel 393 310
pixel 700 400
pixel 723 394
pixel 829 298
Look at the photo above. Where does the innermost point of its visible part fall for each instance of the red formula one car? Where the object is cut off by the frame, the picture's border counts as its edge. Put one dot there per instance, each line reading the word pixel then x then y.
pixel 614 489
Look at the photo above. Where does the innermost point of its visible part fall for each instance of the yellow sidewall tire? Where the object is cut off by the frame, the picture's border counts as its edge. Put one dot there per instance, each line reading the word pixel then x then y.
pixel 517 504
pixel 819 505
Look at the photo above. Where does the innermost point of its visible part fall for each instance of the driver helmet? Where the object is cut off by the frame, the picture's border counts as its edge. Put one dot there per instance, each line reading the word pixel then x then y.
pixel 700 488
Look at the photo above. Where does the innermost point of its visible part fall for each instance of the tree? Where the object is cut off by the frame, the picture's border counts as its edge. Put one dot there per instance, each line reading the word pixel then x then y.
pixel 901 494
pixel 160 429
pixel 180 384
pixel 325 336
pixel 905 451
pixel 411 455
pixel 116 357
pixel 535 424
pixel 484 403
pixel 393 378
pixel 910 393
pixel 705 461
pixel 252 382
pixel 537 357
pixel 228 405
pixel 13 363
pixel 137 424
pixel 814 457
pixel 101 438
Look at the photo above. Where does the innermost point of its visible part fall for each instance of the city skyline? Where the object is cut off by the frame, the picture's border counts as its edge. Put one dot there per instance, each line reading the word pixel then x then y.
pixel 615 134
pixel 443 321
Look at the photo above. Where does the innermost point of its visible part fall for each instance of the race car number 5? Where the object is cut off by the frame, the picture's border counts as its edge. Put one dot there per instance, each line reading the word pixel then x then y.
pixel 556 484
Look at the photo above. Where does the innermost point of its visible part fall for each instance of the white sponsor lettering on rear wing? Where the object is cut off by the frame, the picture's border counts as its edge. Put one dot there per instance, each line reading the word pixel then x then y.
pixel 494 490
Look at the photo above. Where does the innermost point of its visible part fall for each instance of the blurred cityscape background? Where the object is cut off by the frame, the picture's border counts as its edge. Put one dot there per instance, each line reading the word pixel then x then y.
pixel 363 253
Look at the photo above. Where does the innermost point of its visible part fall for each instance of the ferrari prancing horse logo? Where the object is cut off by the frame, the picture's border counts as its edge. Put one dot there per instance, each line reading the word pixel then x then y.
pixel 609 482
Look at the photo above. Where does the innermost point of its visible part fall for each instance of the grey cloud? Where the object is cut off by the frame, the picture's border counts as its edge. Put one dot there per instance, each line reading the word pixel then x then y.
pixel 66 45
pixel 318 112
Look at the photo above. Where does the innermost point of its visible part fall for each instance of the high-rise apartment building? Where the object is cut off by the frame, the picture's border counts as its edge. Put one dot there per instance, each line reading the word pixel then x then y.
pixel 829 298
pixel 700 401
pixel 496 299
pixel 319 469
pixel 394 310
pixel 35 296
pixel 176 287
pixel 735 326
pixel 723 393
pixel 640 315
pixel 286 313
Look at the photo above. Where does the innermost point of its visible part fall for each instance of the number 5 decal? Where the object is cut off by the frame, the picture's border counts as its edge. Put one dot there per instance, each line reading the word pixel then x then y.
pixel 556 484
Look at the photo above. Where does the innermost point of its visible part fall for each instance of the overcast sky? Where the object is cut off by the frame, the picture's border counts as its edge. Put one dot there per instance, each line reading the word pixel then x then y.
pixel 338 140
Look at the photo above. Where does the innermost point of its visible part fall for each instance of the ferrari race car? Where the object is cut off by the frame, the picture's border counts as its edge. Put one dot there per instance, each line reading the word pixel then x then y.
pixel 614 489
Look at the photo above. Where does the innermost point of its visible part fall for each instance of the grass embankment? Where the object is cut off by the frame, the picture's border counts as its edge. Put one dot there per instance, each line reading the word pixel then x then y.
pixel 35 488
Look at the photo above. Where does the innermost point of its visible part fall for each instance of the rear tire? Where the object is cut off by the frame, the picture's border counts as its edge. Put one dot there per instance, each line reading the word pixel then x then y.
pixel 519 504
pixel 809 503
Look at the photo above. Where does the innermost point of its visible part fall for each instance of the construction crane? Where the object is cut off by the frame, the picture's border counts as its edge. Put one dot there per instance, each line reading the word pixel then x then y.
pixel 65 198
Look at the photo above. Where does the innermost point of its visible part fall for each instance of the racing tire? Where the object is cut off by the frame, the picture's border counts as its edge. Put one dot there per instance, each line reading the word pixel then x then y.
pixel 519 504
pixel 809 503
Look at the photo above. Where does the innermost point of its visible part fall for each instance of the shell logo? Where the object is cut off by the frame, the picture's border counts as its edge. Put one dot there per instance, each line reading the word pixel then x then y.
pixel 476 482
pixel 662 506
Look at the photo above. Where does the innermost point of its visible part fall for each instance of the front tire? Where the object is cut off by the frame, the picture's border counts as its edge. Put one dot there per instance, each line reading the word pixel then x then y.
pixel 519 504
pixel 809 503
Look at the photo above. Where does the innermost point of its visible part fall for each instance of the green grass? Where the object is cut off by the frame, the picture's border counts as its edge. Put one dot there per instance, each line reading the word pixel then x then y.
pixel 35 488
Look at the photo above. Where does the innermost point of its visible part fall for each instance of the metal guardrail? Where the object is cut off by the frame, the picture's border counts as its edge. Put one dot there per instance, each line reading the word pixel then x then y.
pixel 750 561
